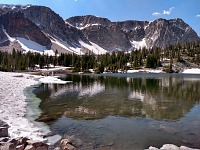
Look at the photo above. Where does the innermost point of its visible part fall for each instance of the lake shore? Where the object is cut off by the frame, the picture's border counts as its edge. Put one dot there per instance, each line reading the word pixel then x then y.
pixel 13 107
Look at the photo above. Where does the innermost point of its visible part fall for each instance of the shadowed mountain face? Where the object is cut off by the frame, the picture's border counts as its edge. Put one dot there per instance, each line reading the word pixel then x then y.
pixel 81 34
pixel 17 25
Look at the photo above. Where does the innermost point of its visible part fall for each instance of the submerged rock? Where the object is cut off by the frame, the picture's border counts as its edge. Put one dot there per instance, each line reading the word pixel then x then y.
pixel 45 118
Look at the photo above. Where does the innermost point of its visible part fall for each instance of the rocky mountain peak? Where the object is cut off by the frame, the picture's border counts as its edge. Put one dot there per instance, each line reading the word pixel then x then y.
pixel 9 7
pixel 80 34
pixel 162 32
pixel 81 22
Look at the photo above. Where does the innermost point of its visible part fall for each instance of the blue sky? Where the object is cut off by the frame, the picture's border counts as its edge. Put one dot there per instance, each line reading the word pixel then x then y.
pixel 119 10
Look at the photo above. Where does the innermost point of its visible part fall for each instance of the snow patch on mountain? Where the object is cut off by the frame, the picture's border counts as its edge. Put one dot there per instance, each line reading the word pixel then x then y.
pixel 67 47
pixel 93 47
pixel 139 44
pixel 9 38
pixel 12 7
pixel 48 52
pixel 88 25
pixel 30 45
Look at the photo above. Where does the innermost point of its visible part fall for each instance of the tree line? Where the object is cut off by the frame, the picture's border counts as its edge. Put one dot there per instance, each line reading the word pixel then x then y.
pixel 113 61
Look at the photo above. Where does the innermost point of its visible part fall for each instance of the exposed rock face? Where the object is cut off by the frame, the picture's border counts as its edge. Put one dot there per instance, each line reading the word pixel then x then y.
pixel 16 25
pixel 135 30
pixel 159 33
pixel 163 32
pixel 102 32
pixel 52 23
pixel 3 38
pixel 41 25
pixel 110 38
pixel 79 34
pixel 84 21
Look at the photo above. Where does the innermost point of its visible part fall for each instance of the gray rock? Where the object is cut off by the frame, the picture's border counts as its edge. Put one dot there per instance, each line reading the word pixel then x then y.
pixel 69 147
pixel 3 129
pixel 3 124
pixel 29 147
pixel 7 146
pixel 20 147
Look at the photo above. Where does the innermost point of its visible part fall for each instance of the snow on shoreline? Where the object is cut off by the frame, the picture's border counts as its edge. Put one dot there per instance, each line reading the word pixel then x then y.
pixel 186 71
pixel 192 71
pixel 170 147
pixel 13 107
pixel 145 70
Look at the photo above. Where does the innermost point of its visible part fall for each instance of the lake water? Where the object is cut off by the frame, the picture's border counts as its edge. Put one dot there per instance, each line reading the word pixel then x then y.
pixel 124 111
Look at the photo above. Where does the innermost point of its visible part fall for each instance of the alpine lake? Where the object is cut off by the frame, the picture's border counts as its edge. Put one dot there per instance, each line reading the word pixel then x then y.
pixel 124 111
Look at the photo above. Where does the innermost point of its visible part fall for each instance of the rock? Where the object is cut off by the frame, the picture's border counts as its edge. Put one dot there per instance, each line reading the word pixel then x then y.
pixel 44 147
pixel 64 142
pixel 3 129
pixel 74 141
pixel 49 134
pixel 110 144
pixel 3 132
pixel 4 139
pixel 3 124
pixel 38 145
pixel 14 141
pixel 67 144
pixel 29 147
pixel 19 143
pixel 20 147
pixel 7 146
pixel 22 141
pixel 69 147
pixel 57 148
pixel 45 118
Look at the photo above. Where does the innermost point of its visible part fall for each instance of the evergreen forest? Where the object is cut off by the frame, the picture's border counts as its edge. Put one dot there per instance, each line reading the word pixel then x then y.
pixel 172 59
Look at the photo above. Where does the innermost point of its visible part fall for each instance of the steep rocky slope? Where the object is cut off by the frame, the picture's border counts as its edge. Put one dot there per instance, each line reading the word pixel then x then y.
pixel 160 32
pixel 38 28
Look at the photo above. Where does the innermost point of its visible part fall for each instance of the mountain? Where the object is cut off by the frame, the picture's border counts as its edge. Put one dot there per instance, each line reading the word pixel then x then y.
pixel 38 28
pixel 160 32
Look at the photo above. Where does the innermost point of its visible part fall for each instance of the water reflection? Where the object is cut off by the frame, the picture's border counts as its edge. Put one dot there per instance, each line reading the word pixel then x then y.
pixel 126 112
pixel 95 97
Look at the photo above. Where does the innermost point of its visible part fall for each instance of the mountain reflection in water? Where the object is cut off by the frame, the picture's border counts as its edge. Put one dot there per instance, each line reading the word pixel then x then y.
pixel 163 98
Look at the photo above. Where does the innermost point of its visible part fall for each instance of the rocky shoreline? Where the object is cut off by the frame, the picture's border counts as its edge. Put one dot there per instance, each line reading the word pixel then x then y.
pixel 24 143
